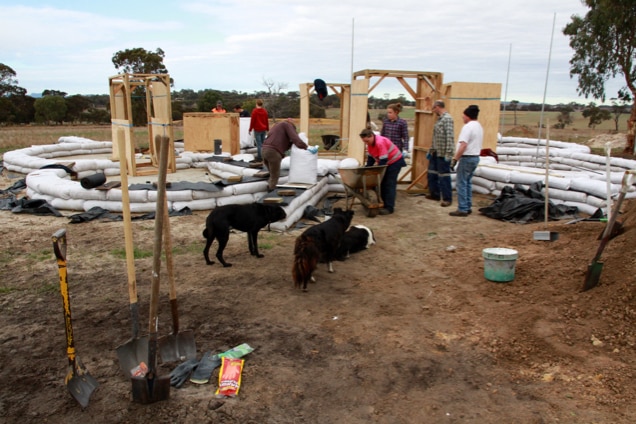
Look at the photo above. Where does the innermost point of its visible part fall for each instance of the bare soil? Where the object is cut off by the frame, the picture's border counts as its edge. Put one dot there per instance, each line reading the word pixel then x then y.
pixel 408 331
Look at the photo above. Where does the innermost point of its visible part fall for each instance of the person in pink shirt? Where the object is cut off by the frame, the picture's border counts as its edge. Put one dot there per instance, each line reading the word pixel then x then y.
pixel 382 151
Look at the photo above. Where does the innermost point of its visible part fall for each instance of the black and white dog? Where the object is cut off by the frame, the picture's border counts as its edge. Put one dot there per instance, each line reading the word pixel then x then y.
pixel 357 238
pixel 319 243
pixel 249 218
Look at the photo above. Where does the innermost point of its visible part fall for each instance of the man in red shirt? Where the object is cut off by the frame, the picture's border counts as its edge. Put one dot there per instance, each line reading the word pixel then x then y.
pixel 259 123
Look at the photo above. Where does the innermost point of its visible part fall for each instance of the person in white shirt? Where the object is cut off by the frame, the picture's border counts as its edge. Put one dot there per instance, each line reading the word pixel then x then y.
pixel 467 150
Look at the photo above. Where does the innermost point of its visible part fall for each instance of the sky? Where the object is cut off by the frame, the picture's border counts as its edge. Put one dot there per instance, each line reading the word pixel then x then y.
pixel 237 45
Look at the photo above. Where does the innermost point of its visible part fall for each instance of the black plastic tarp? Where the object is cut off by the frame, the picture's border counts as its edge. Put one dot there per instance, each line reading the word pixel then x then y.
pixel 517 204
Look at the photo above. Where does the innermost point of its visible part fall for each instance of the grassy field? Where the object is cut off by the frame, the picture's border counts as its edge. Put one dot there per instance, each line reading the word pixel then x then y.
pixel 17 137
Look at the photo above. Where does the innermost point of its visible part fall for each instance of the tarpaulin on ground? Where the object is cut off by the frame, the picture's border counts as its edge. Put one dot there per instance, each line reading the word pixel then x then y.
pixel 526 205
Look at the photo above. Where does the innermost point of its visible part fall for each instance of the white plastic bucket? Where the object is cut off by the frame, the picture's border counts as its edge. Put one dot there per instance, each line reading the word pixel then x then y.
pixel 499 264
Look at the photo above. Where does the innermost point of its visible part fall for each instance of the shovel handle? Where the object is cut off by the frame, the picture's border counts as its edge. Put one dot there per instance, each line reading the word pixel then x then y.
pixel 153 323
pixel 167 241
pixel 59 247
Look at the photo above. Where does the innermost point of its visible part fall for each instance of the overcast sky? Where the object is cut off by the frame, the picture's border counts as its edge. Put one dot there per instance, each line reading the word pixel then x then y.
pixel 237 44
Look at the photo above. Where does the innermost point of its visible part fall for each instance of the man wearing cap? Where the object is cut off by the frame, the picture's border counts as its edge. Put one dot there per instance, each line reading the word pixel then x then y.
pixel 440 155
pixel 466 158
pixel 219 108
pixel 382 151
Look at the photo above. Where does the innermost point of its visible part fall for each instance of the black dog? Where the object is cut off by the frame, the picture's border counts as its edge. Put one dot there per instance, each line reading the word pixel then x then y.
pixel 319 243
pixel 249 218
pixel 356 239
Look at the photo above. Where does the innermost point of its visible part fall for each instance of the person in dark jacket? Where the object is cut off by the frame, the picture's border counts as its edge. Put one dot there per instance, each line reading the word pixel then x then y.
pixel 280 139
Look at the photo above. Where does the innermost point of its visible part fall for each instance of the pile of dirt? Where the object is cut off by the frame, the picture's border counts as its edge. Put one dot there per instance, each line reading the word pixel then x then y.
pixel 617 141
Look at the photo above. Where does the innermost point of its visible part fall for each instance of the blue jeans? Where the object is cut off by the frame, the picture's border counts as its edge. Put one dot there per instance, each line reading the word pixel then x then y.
pixel 439 178
pixel 259 137
pixel 463 183
pixel 388 187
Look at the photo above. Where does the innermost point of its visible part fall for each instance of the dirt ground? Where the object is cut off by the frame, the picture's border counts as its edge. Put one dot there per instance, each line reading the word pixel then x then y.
pixel 408 331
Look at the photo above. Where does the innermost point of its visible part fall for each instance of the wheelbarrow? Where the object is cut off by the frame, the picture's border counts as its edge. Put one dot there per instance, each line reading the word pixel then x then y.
pixel 358 184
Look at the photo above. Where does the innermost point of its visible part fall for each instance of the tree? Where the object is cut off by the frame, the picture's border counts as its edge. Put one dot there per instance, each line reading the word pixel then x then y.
pixel 595 114
pixel 8 83
pixel 604 44
pixel 619 104
pixel 54 93
pixel 514 105
pixel 565 118
pixel 50 109
pixel 75 107
pixel 140 61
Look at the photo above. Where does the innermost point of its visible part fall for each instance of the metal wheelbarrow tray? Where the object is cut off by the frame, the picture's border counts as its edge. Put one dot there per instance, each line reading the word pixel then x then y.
pixel 359 182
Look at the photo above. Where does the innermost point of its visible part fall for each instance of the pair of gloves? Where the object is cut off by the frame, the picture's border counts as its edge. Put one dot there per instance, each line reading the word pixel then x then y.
pixel 202 370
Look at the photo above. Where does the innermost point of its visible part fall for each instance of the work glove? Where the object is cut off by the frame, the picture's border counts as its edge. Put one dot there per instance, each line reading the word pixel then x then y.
pixel 453 164
pixel 428 156
pixel 406 154
pixel 313 149
pixel 180 374
pixel 208 363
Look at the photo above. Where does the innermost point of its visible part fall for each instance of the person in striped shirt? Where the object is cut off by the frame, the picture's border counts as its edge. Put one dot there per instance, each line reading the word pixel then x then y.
pixel 395 128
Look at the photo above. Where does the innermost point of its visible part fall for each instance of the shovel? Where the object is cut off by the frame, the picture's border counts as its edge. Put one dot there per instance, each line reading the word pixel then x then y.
pixel 177 346
pixel 135 350
pixel 78 380
pixel 152 387
pixel 594 269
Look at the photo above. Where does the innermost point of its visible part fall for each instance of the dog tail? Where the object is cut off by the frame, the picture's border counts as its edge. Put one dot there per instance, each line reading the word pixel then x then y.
pixel 306 256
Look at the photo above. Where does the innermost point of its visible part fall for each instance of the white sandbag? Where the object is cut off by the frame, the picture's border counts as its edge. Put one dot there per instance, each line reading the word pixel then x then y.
pixel 349 163
pixel 594 187
pixel 284 164
pixel 242 199
pixel 525 178
pixel 582 207
pixel 596 202
pixel 574 196
pixel 303 166
pixel 294 216
pixel 243 157
pixel 487 184
pixel 493 173
pixel 196 205
pixel 68 204
pixel 251 188
pixel 332 165
pixel 336 188
pixel 179 195
pixel 246 139
pixel 487 160
pixel 480 189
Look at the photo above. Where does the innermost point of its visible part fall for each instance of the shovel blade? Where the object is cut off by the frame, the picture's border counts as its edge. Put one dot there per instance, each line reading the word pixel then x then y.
pixel 80 383
pixel 147 390
pixel 132 353
pixel 177 347
pixel 593 275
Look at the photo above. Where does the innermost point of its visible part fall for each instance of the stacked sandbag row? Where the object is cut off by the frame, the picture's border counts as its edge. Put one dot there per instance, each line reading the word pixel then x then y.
pixel 575 177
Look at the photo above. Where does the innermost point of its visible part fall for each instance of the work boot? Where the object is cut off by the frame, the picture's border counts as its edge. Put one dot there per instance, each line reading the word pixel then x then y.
pixel 445 203
pixel 458 213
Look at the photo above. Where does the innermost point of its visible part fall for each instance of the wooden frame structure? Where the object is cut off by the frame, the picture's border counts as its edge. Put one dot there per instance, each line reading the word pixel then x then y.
pixel 425 90
pixel 343 91
pixel 159 114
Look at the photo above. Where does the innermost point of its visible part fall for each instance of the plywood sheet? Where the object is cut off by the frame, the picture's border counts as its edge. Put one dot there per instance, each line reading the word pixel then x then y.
pixel 200 129
pixel 459 95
